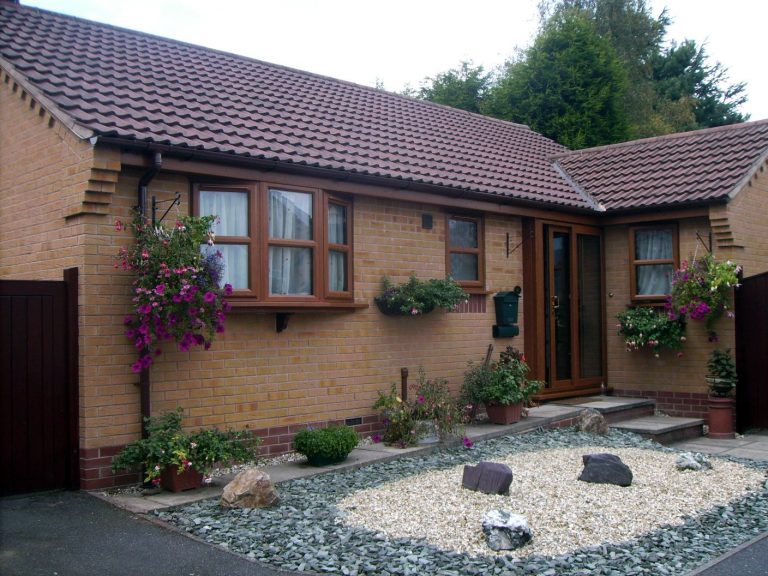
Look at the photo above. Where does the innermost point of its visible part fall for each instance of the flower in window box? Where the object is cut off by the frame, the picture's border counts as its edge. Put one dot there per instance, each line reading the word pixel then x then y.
pixel 416 297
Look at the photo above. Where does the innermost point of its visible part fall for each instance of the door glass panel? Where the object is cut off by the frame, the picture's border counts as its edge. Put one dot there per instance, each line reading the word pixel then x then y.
pixel 590 307
pixel 290 271
pixel 464 266
pixel 462 233
pixel 231 209
pixel 560 303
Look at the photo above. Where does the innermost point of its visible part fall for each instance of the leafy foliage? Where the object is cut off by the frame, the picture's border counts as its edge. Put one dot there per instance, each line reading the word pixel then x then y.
pixel 599 71
pixel 167 444
pixel 325 445
pixel 400 427
pixel 721 373
pixel 433 402
pixel 568 86
pixel 703 290
pixel 504 382
pixel 644 326
pixel 176 290
pixel 464 87
pixel 419 296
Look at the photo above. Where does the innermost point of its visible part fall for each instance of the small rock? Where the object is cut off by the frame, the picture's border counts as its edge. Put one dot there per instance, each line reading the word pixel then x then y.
pixel 590 420
pixel 505 530
pixel 487 477
pixel 693 461
pixel 250 489
pixel 605 469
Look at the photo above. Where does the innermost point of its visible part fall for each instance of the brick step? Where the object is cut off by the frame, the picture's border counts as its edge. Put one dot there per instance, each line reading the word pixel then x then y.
pixel 663 429
pixel 613 408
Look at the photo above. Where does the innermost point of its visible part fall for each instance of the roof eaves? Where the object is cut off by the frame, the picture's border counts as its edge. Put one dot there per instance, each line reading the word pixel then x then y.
pixel 594 204
pixel 744 180
pixel 78 130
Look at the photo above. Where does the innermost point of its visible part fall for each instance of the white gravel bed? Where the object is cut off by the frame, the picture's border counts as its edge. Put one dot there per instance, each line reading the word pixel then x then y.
pixel 564 513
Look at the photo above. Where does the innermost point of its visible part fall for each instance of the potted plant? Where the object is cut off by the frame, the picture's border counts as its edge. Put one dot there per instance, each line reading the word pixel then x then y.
pixel 645 327
pixel 323 446
pixel 416 297
pixel 722 380
pixel 176 460
pixel 435 410
pixel 400 426
pixel 703 290
pixel 506 389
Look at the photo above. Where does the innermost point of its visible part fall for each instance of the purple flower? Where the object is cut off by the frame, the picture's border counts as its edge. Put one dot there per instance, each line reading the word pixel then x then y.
pixel 209 297
pixel 136 366
pixel 176 298
pixel 160 289
pixel 420 399
pixel 145 309
pixel 376 438
pixel 468 443
pixel 228 289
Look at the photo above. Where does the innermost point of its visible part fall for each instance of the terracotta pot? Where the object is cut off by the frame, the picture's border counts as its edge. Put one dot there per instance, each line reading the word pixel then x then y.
pixel 500 414
pixel 172 481
pixel 720 417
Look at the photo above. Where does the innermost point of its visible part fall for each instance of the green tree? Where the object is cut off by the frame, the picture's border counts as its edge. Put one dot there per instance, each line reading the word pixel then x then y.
pixel 464 87
pixel 568 86
pixel 682 72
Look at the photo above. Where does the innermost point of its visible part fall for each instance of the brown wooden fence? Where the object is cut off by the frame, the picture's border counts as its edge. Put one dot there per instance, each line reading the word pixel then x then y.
pixel 38 385
pixel 752 352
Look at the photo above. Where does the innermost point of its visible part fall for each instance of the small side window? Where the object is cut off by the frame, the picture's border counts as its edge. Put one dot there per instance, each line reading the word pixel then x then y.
pixel 653 259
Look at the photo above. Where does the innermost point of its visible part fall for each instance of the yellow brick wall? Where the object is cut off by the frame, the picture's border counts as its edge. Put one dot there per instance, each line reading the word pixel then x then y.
pixel 640 370
pixel 746 220
pixel 42 168
pixel 324 366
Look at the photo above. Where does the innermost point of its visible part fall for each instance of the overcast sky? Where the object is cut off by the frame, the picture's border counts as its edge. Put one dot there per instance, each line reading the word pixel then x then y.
pixel 399 42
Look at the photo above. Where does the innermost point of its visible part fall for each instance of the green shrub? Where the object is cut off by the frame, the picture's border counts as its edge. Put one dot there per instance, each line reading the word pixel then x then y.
pixel 325 445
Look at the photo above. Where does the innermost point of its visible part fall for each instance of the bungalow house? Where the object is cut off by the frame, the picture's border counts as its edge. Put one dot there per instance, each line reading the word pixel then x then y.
pixel 95 120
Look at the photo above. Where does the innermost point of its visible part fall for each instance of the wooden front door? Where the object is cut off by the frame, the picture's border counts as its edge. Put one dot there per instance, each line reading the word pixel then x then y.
pixel 569 339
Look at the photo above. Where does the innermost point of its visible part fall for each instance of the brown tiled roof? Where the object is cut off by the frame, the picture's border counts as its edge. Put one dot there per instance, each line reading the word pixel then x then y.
pixel 687 168
pixel 145 89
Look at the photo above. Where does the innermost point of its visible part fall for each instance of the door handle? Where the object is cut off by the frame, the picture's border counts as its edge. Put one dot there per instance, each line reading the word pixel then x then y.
pixel 555 302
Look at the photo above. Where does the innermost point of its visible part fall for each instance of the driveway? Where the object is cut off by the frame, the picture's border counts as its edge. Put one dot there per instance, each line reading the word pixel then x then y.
pixel 76 534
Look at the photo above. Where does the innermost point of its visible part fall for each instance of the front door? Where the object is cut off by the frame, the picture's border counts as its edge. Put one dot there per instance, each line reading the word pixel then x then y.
pixel 572 310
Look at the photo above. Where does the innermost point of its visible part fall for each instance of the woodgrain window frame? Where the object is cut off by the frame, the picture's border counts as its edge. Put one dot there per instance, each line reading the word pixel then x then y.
pixel 258 242
pixel 471 286
pixel 634 262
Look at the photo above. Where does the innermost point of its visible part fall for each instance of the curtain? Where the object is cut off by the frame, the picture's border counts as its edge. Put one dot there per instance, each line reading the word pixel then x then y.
pixel 290 218
pixel 231 210
pixel 653 245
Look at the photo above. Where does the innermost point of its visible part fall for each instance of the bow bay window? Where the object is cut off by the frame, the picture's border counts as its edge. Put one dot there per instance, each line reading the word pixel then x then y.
pixel 280 243
pixel 653 258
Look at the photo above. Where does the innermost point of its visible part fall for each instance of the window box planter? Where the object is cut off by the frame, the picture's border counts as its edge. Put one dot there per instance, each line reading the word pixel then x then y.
pixel 393 309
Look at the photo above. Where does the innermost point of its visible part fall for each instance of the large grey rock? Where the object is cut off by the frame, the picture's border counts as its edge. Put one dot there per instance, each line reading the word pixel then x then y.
pixel 505 530
pixel 605 469
pixel 487 477
pixel 249 489
pixel 590 420
pixel 693 461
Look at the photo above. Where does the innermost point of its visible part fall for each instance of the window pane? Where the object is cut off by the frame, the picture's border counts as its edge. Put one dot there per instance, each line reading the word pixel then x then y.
pixel 462 233
pixel 337 224
pixel 230 207
pixel 235 263
pixel 590 307
pixel 464 267
pixel 654 279
pixel 337 271
pixel 290 270
pixel 290 215
pixel 653 245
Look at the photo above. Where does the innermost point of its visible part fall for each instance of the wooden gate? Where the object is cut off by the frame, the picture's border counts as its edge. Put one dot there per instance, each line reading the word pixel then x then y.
pixel 38 385
pixel 752 352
